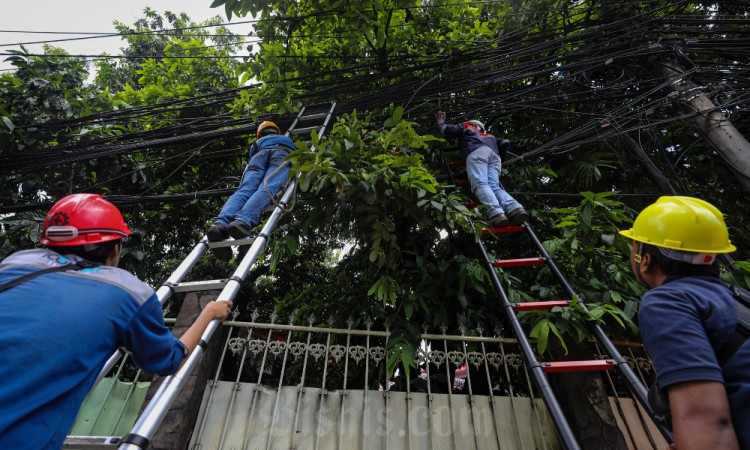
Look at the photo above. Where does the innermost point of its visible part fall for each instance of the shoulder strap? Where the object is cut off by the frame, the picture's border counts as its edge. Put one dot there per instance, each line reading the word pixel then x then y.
pixel 742 331
pixel 15 282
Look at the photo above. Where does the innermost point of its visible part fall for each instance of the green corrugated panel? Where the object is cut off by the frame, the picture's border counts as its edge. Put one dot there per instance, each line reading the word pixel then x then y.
pixel 110 409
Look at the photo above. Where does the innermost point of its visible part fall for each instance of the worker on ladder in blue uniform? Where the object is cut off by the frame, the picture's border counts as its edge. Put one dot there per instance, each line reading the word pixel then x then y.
pixel 688 319
pixel 483 153
pixel 64 310
pixel 265 174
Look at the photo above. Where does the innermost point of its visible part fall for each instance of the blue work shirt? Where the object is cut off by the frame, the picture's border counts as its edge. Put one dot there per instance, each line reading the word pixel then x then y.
pixel 56 333
pixel 685 323
pixel 271 141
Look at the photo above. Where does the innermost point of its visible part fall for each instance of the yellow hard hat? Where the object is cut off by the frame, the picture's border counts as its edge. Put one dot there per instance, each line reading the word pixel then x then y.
pixel 682 223
pixel 266 124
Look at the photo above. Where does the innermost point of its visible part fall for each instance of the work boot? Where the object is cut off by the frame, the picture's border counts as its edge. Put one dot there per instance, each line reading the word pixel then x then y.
pixel 239 229
pixel 518 216
pixel 497 220
pixel 217 233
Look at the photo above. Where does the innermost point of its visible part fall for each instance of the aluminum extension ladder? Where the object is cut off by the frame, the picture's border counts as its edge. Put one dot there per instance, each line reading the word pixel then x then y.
pixel 539 369
pixel 148 422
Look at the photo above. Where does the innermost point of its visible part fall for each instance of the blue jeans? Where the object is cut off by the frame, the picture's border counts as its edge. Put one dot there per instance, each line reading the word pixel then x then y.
pixel 250 199
pixel 483 167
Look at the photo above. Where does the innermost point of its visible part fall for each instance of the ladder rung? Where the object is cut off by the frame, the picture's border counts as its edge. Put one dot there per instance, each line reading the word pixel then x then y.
pixel 304 130
pixel 472 205
pixel 578 366
pixel 462 182
pixel 92 442
pixel 231 242
pixel 206 285
pixel 518 262
pixel 540 306
pixel 457 163
pixel 505 229
pixel 314 116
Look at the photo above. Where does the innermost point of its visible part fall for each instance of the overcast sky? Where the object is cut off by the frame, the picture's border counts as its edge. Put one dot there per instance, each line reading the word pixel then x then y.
pixel 94 16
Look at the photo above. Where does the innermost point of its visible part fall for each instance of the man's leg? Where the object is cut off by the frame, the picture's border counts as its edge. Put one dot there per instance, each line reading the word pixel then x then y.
pixel 510 205
pixel 478 169
pixel 252 178
pixel 275 176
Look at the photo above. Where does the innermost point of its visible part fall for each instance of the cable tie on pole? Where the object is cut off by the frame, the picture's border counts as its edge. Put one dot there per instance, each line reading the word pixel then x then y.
pixel 203 344
pixel 235 278
pixel 169 285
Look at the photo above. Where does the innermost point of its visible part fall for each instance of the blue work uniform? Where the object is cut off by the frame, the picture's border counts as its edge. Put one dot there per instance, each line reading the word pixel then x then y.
pixel 685 323
pixel 56 333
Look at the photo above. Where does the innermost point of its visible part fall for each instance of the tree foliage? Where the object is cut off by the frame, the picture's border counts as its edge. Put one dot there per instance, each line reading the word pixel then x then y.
pixel 377 233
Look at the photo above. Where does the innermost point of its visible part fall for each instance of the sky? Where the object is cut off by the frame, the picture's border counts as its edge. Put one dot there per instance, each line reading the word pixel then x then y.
pixel 89 16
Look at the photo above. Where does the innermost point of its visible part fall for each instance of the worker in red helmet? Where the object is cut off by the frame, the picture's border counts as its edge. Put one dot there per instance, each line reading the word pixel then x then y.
pixel 264 176
pixel 484 154
pixel 64 310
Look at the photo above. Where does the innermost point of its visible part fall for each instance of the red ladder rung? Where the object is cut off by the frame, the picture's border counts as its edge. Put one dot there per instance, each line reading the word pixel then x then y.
pixel 540 306
pixel 579 366
pixel 462 182
pixel 505 229
pixel 457 163
pixel 472 205
pixel 519 262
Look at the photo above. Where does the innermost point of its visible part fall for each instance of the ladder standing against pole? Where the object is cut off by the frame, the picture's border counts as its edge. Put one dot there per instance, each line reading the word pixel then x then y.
pixel 539 369
pixel 153 414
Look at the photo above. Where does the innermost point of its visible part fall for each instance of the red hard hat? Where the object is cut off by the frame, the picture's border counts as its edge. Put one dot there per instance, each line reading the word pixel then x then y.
pixel 82 219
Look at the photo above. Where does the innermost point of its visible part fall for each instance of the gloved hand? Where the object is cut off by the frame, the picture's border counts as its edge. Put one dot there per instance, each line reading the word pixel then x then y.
pixel 440 117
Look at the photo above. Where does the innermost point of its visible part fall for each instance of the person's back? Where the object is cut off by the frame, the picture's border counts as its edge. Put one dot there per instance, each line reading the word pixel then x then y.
pixel 59 327
pixel 484 154
pixel 674 316
pixel 471 138
pixel 58 331
pixel 264 176
pixel 273 140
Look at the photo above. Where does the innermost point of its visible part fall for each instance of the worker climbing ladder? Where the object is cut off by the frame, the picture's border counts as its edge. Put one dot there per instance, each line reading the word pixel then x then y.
pixel 538 368
pixel 304 124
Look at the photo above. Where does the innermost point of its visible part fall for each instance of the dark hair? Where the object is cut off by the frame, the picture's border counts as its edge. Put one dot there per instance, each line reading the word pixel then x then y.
pixel 268 130
pixel 97 253
pixel 680 268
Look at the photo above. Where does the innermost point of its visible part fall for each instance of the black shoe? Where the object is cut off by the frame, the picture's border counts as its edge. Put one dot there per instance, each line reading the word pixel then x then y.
pixel 498 220
pixel 216 233
pixel 239 229
pixel 518 216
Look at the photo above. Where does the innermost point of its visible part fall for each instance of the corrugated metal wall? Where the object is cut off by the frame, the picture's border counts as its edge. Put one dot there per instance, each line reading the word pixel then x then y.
pixel 246 416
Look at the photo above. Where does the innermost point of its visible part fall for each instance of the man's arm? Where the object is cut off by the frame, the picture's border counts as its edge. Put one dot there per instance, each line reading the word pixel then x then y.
pixel 446 128
pixel 216 310
pixel 701 417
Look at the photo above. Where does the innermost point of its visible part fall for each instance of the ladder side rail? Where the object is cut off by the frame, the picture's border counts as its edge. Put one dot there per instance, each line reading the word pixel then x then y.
pixel 540 377
pixel 152 416
pixel 147 424
pixel 631 378
pixel 296 121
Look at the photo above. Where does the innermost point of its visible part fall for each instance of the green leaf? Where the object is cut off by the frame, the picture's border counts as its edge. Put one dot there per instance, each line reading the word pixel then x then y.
pixel 8 123
pixel 540 332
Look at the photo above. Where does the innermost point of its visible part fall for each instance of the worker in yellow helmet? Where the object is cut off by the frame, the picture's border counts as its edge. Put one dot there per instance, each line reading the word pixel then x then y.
pixel 687 320
pixel 264 176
